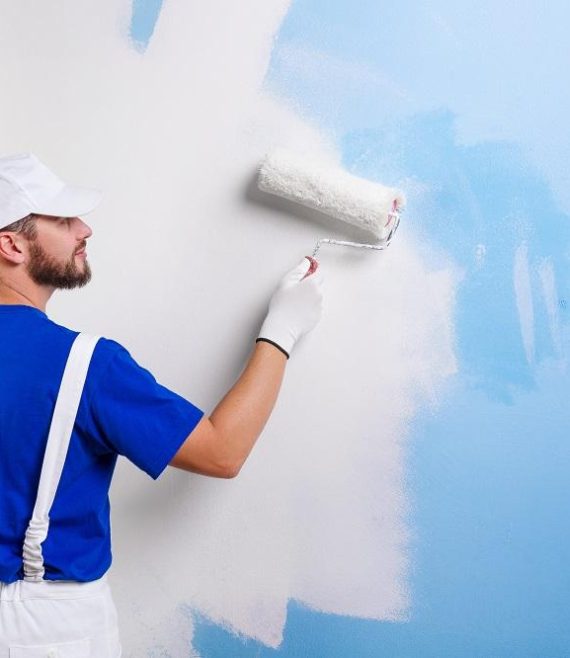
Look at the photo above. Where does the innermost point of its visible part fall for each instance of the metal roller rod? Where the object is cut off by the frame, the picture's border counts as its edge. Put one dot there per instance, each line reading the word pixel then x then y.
pixel 383 244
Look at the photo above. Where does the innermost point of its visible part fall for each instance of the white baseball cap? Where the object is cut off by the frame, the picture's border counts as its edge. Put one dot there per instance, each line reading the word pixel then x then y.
pixel 28 186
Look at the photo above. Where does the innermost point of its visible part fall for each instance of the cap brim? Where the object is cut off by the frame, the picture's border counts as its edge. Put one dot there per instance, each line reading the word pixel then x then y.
pixel 72 201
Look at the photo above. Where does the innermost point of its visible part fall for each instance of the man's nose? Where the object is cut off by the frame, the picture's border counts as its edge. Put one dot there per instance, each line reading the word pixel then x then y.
pixel 85 229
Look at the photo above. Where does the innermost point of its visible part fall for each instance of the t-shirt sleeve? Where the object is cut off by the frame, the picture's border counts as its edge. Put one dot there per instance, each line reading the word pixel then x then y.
pixel 139 418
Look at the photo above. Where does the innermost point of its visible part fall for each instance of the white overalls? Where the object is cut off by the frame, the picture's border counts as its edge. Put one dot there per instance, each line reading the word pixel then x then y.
pixel 64 619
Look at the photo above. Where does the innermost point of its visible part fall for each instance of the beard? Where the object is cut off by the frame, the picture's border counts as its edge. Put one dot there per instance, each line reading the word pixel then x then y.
pixel 47 271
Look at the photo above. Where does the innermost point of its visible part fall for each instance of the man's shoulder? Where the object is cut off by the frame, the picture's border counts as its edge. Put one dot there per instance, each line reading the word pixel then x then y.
pixel 105 348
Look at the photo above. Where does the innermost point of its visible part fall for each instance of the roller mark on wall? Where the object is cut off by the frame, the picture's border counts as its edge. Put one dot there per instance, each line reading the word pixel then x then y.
pixel 550 296
pixel 523 293
pixel 144 17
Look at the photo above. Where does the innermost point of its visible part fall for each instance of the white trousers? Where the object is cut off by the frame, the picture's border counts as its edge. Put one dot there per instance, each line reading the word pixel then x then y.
pixel 58 619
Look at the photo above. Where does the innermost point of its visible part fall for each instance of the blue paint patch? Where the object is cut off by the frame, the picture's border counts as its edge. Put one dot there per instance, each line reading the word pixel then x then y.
pixel 482 197
pixel 145 14
pixel 497 68
pixel 489 484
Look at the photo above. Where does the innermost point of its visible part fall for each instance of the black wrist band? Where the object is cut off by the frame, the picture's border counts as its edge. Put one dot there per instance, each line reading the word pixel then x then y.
pixel 266 340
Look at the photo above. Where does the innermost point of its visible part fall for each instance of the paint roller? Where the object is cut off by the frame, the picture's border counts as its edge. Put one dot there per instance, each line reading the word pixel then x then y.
pixel 333 192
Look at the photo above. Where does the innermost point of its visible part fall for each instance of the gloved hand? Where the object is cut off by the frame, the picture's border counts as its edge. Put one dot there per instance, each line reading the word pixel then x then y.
pixel 295 307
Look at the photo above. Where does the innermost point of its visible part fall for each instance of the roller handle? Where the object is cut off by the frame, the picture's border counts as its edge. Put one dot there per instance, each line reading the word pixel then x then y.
pixel 313 267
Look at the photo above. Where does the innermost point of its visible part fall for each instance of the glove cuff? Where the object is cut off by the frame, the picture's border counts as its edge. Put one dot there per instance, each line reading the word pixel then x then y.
pixel 271 342
pixel 275 331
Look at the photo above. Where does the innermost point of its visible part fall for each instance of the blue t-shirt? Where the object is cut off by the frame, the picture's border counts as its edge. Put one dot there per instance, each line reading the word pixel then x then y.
pixel 123 411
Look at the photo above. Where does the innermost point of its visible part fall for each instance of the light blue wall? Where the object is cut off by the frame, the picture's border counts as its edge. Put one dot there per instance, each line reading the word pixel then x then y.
pixel 470 100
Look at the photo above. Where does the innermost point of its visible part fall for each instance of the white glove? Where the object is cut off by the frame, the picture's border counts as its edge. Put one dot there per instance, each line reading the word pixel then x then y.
pixel 295 307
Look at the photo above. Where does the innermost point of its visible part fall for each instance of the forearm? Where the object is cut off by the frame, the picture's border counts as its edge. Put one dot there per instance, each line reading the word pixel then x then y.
pixel 240 416
pixel 221 442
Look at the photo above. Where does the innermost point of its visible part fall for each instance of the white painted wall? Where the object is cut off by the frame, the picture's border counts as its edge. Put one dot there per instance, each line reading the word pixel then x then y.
pixel 184 262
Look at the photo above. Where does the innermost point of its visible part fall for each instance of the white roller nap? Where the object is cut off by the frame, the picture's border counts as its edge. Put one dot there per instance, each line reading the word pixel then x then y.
pixel 331 190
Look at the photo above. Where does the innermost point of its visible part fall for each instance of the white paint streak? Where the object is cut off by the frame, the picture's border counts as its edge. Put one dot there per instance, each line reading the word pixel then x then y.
pixel 523 295
pixel 319 67
pixel 550 296
pixel 318 513
pixel 480 254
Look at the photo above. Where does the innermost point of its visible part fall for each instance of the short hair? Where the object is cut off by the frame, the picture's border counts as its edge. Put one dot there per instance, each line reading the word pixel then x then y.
pixel 26 226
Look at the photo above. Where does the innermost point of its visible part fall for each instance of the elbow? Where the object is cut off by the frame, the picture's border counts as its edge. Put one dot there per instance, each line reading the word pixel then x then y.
pixel 220 470
pixel 209 451
pixel 230 470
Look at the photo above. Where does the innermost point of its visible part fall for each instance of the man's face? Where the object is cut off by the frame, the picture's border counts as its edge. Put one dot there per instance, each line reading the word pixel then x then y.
pixel 54 258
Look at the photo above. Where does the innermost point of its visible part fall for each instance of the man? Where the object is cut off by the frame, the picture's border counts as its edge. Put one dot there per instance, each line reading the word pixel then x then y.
pixel 54 482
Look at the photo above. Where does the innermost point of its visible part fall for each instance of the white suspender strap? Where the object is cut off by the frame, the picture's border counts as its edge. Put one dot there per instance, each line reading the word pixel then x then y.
pixel 63 420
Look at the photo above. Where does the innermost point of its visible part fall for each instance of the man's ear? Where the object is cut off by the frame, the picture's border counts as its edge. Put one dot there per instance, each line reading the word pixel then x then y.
pixel 13 247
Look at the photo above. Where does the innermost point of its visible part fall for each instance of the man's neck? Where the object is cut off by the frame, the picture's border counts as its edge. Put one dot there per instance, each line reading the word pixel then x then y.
pixel 10 297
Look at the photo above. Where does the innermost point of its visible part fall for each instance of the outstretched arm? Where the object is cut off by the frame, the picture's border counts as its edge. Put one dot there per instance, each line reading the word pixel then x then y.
pixel 219 445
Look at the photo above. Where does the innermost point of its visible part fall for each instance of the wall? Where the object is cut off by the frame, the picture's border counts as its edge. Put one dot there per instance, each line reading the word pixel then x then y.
pixel 404 498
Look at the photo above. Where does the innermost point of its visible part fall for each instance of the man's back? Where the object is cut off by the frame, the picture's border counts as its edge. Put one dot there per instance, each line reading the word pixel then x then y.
pixel 123 410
